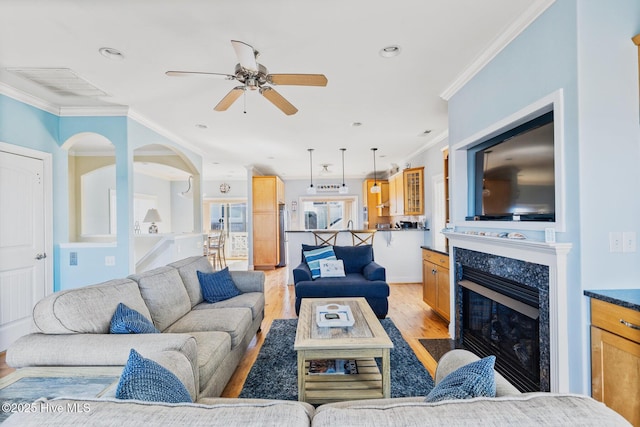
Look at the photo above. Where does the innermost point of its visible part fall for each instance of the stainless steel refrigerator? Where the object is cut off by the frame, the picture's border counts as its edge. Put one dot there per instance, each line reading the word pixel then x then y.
pixel 282 227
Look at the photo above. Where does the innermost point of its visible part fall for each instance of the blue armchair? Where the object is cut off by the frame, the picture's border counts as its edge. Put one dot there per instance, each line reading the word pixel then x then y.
pixel 363 278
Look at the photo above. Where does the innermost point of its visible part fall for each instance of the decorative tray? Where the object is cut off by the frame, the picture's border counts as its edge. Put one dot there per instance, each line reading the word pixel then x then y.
pixel 334 315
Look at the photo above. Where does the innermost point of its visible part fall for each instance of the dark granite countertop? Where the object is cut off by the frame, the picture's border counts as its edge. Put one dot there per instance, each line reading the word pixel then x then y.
pixel 629 298
pixel 362 231
pixel 435 250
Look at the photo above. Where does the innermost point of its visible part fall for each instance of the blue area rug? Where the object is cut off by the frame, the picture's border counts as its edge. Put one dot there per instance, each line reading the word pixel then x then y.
pixel 274 375
pixel 28 389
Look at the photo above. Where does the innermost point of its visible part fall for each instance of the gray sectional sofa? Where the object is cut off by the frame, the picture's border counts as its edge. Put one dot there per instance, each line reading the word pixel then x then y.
pixel 507 409
pixel 71 328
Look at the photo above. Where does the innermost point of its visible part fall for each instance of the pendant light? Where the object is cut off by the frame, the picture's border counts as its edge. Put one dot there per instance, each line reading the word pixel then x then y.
pixel 311 189
pixel 375 188
pixel 343 188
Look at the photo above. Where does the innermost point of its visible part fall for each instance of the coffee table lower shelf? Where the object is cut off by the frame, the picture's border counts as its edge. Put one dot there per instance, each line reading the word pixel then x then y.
pixel 366 384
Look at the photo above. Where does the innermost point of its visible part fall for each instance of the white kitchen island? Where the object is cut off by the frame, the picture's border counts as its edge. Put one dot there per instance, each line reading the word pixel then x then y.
pixel 397 250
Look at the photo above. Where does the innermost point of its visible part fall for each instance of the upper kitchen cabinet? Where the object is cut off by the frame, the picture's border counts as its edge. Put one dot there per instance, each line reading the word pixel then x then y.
pixel 413 191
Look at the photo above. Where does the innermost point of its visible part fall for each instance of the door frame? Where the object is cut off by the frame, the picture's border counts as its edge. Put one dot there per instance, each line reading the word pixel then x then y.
pixel 47 161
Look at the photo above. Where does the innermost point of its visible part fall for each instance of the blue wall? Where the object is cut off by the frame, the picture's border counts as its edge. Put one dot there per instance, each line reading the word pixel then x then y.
pixel 27 126
pixel 584 48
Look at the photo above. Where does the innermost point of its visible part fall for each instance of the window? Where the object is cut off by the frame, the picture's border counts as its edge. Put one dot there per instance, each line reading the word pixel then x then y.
pixel 328 213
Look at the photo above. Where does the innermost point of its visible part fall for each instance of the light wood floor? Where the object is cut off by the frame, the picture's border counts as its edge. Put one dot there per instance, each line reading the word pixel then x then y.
pixel 412 317
pixel 410 314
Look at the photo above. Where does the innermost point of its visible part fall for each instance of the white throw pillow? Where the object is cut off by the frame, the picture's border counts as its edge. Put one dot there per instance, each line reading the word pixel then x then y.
pixel 332 268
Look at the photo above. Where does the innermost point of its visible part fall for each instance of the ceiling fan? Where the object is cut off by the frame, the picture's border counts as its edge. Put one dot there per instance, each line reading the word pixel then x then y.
pixel 255 76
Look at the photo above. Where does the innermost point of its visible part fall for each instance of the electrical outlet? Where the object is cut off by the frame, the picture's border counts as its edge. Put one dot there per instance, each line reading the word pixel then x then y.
pixel 615 241
pixel 73 258
pixel 110 261
pixel 629 241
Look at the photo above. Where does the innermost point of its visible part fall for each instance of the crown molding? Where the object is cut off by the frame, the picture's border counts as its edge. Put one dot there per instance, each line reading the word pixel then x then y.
pixel 134 115
pixel 433 141
pixel 95 111
pixel 28 99
pixel 498 44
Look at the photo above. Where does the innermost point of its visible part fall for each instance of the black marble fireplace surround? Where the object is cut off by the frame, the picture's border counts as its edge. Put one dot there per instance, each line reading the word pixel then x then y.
pixel 529 281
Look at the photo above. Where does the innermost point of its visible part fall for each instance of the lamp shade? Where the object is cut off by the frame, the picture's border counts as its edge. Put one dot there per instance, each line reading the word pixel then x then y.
pixel 152 216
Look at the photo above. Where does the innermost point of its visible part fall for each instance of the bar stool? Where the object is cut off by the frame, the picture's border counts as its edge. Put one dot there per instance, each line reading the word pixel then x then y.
pixel 216 248
pixel 362 237
pixel 324 238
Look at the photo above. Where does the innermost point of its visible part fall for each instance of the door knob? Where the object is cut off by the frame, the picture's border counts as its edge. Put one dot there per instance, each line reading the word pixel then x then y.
pixel 41 256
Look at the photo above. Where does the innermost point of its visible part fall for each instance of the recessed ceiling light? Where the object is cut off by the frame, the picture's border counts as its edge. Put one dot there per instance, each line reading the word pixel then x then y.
pixel 390 51
pixel 201 126
pixel 356 124
pixel 111 53
pixel 425 133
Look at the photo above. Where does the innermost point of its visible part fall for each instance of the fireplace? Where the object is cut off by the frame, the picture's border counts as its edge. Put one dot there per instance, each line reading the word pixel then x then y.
pixel 537 265
pixel 501 317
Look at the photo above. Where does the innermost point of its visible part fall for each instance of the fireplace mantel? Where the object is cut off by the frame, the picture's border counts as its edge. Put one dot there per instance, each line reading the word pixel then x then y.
pixel 553 255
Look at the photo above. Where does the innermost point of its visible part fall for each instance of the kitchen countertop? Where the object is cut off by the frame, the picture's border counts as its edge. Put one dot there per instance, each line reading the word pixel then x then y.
pixel 362 231
pixel 629 298
pixel 435 250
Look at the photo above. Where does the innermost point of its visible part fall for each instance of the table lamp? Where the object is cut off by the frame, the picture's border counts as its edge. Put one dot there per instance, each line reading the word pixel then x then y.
pixel 152 216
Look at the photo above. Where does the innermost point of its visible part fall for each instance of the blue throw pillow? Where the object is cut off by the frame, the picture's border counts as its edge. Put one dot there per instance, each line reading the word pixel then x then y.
pixel 217 286
pixel 313 258
pixel 473 380
pixel 126 320
pixel 144 379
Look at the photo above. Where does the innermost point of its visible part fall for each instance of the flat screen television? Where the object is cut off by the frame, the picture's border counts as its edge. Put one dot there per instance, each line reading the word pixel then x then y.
pixel 513 176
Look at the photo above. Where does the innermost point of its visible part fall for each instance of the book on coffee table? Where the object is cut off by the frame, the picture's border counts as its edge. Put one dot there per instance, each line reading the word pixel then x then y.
pixel 333 366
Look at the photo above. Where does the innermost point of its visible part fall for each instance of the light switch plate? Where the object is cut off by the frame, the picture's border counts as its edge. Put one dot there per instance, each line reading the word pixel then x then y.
pixel 629 241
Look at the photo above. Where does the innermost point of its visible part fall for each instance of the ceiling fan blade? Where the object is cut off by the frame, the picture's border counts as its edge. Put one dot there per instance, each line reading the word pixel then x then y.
pixel 198 73
pixel 278 100
pixel 246 55
pixel 298 79
pixel 229 98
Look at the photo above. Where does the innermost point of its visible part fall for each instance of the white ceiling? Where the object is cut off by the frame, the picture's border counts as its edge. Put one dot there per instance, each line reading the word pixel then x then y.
pixel 395 99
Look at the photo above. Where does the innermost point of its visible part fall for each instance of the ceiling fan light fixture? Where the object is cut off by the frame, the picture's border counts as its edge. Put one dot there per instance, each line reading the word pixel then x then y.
pixel 390 51
pixel 251 83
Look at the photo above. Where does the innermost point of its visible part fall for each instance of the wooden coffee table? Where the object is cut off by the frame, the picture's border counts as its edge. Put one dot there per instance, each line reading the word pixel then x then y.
pixel 363 341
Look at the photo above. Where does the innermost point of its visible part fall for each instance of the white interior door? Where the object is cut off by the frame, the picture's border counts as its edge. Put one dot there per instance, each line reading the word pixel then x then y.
pixel 22 243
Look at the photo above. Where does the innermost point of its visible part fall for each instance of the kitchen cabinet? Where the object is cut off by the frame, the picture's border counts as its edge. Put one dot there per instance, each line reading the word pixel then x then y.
pixel 615 358
pixel 413 191
pixel 376 204
pixel 435 282
pixel 396 194
pixel 267 196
